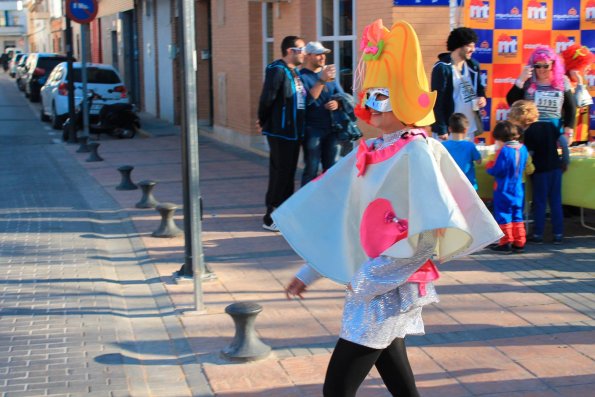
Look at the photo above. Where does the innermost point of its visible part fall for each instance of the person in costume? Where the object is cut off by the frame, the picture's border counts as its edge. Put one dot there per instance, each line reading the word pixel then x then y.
pixel 542 140
pixel 578 60
pixel 376 220
pixel 542 81
pixel 508 169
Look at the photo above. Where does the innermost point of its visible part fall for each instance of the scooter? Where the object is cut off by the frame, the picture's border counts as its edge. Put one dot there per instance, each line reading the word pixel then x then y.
pixel 118 119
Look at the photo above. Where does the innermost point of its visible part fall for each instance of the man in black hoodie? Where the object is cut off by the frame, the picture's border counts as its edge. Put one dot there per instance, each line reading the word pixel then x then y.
pixel 456 78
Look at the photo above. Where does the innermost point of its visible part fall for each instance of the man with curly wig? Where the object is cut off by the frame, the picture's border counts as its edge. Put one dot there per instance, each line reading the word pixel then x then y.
pixel 456 79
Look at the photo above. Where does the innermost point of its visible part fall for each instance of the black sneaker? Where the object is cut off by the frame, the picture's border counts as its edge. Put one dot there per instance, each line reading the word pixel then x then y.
pixel 557 240
pixel 505 248
pixel 535 239
pixel 272 227
pixel 518 250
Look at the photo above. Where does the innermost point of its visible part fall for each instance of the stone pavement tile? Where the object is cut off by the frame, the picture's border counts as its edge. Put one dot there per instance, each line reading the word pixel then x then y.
pixel 431 379
pixel 567 368
pixel 580 341
pixel 306 370
pixel 553 313
pixel 576 391
pixel 208 333
pixel 529 393
pixel 246 377
pixel 476 311
pixel 483 369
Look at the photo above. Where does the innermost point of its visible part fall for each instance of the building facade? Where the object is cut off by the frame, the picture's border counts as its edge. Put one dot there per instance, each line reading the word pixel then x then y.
pixel 12 25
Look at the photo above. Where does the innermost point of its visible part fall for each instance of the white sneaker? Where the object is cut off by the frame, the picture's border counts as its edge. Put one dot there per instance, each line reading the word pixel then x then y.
pixel 272 227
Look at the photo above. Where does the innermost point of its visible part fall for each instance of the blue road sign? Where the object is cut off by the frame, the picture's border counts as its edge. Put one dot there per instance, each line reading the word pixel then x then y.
pixel 81 11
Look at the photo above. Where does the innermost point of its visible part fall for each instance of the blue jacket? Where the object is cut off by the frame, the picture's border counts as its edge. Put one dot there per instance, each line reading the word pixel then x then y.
pixel 508 169
pixel 443 85
pixel 277 110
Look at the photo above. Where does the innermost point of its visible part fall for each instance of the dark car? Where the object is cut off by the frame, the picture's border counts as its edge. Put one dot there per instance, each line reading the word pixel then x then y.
pixel 38 68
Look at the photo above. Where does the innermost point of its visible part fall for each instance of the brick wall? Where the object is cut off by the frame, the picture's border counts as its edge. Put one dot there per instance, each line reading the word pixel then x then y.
pixel 233 62
pixel 95 27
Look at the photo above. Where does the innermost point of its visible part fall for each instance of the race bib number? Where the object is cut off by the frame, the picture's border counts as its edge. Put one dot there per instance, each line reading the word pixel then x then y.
pixel 300 93
pixel 549 102
pixel 467 91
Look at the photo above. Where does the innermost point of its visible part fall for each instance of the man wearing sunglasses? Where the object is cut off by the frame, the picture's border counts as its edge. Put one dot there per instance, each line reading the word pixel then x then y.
pixel 281 119
pixel 456 79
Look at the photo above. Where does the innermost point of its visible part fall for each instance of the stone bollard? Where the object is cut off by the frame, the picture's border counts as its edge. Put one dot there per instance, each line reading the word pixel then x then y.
pixel 126 183
pixel 245 346
pixel 83 148
pixel 94 156
pixel 167 228
pixel 147 200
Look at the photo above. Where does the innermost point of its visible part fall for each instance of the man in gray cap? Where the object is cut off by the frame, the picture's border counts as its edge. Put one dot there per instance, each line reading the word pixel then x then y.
pixel 320 143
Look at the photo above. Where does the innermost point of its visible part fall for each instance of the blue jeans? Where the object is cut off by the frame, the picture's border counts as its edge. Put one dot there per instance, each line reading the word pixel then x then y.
pixel 547 189
pixel 320 147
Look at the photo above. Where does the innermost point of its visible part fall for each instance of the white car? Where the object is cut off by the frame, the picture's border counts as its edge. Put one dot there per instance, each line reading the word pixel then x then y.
pixel 102 79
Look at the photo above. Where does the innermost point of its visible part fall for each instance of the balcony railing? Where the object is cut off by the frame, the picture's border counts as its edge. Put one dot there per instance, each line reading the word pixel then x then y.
pixel 12 30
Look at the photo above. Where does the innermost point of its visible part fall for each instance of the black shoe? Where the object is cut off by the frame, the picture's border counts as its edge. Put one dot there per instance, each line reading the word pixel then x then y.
pixel 506 248
pixel 535 239
pixel 518 250
pixel 557 240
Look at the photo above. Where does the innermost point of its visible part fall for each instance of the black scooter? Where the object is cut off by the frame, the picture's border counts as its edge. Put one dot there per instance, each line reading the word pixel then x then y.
pixel 117 120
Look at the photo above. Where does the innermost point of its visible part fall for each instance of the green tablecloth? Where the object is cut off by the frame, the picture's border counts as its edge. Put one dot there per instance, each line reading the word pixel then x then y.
pixel 578 183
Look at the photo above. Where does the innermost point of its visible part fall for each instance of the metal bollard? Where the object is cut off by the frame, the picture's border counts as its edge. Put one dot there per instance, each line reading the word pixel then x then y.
pixel 147 200
pixel 94 156
pixel 167 228
pixel 126 183
pixel 245 346
pixel 83 148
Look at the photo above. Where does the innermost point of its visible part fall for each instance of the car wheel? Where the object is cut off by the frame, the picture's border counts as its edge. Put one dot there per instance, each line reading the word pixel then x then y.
pixel 42 115
pixel 57 121
pixel 125 133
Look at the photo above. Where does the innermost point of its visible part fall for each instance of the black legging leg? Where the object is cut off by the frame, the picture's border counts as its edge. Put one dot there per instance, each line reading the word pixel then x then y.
pixel 395 370
pixel 350 364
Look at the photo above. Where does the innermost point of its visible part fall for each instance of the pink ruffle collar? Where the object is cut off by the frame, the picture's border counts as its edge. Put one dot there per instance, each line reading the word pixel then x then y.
pixel 367 155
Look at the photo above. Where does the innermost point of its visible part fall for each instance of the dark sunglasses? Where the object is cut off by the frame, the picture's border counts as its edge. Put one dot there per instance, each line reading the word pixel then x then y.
pixel 538 66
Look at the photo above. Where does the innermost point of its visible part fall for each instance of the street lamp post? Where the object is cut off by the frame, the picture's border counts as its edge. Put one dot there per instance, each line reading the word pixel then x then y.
pixel 190 156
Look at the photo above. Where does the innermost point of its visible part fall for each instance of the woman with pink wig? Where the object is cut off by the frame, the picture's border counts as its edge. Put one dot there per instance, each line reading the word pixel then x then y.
pixel 542 81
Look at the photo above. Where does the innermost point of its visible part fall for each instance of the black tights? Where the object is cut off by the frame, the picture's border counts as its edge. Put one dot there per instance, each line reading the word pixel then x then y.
pixel 351 363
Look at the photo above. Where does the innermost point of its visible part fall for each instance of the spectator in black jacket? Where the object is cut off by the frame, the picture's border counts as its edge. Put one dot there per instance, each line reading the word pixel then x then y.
pixel 456 79
pixel 281 118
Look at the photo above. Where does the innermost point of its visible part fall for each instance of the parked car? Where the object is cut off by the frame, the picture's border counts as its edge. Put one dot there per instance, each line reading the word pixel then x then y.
pixel 20 72
pixel 8 55
pixel 12 65
pixel 39 66
pixel 102 79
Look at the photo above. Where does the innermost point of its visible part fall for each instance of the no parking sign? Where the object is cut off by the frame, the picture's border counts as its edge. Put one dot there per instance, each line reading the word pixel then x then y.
pixel 81 11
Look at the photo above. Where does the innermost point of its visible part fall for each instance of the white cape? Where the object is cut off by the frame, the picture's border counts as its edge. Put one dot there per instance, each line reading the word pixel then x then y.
pixel 424 185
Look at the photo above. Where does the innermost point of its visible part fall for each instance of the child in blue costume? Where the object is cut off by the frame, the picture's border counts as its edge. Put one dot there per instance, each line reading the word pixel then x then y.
pixel 462 151
pixel 509 195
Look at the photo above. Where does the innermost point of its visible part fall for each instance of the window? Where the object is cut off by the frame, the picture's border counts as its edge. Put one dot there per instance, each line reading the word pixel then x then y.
pixel 10 18
pixel 336 21
pixel 268 50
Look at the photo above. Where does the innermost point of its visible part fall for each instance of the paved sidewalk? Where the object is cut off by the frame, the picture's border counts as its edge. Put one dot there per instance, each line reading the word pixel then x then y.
pixel 76 302
pixel 519 325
